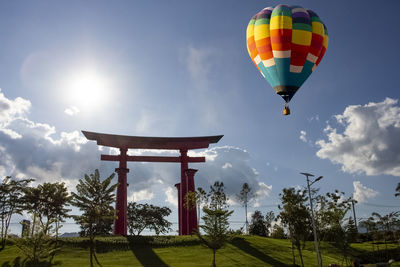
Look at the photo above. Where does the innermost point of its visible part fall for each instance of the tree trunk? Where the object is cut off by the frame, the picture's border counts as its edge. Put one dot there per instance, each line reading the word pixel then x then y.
pixel 2 231
pixel 294 257
pixel 57 226
pixel 213 262
pixel 301 256
pixel 247 223
pixel 91 244
pixel 8 219
pixel 33 223
pixel 319 252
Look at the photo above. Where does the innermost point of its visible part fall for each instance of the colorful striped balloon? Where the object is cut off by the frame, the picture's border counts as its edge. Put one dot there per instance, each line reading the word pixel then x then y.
pixel 286 43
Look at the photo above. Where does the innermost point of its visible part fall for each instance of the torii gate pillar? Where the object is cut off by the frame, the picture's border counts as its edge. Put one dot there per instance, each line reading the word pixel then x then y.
pixel 187 218
pixel 120 223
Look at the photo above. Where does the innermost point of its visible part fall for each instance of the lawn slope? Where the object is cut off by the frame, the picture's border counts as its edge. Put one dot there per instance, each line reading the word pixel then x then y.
pixel 187 251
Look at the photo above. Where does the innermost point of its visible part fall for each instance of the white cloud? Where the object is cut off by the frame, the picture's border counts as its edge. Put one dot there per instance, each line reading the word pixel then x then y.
pixel 227 165
pixel 303 136
pixel 31 149
pixel 72 110
pixel 10 109
pixel 369 142
pixel 363 193
pixel 144 194
pixel 262 192
pixel 172 196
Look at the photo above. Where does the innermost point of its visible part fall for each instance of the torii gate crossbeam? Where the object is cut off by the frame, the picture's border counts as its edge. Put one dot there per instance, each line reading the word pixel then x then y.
pixel 187 218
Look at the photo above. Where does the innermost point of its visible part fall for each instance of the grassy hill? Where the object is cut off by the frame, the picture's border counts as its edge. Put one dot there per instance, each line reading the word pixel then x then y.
pixel 187 251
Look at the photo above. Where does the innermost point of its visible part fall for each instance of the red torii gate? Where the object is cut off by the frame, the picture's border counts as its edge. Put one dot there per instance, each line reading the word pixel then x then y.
pixel 187 219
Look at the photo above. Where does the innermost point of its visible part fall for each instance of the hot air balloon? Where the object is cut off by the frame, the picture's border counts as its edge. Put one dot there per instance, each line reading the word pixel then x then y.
pixel 286 43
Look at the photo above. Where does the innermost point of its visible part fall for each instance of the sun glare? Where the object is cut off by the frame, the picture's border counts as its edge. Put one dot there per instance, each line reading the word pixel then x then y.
pixel 87 90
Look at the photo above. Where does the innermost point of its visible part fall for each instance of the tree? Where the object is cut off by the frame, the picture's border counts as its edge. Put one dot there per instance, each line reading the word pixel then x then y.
pixel 244 197
pixel 330 216
pixel 387 224
pixel 278 232
pixel 195 199
pixel 330 213
pixel 32 201
pixel 217 196
pixel 215 220
pixel 11 193
pixel 294 214
pixel 351 231
pixel 94 198
pixel 47 202
pixel 258 225
pixel 397 190
pixel 215 228
pixel 370 226
pixel 142 216
pixel 39 248
pixel 269 218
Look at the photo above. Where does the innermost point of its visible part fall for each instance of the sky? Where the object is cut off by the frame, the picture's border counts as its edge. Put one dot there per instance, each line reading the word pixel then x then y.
pixel 181 68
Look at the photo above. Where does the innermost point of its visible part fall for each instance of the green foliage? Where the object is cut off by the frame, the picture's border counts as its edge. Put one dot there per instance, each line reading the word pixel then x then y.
pixel 329 217
pixel 369 225
pixel 39 248
pixel 278 232
pixel 216 223
pixel 11 202
pixel 190 200
pixel 215 227
pixel 94 198
pixel 142 216
pixel 217 196
pixel 258 225
pixel 351 231
pixel 388 222
pixel 397 190
pixel 295 216
pixel 47 203
pixel 195 199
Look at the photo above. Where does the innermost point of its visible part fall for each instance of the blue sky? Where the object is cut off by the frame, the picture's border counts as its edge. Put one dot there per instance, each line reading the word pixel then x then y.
pixel 181 68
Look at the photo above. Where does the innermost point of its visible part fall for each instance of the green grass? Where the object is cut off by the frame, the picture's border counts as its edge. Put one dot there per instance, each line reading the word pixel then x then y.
pixel 187 251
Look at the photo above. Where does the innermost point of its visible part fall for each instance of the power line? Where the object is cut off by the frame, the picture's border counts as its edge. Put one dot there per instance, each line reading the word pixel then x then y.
pixel 379 205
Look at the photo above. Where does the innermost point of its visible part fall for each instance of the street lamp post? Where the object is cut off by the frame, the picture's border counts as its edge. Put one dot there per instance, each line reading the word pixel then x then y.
pixel 312 215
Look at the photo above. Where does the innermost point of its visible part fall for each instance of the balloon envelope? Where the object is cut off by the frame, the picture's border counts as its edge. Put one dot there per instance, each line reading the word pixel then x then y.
pixel 286 43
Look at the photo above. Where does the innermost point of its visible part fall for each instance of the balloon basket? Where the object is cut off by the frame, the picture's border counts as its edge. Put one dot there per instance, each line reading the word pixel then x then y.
pixel 286 111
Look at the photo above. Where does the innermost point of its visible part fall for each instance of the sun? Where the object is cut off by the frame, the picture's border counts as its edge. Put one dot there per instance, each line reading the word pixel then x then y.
pixel 87 90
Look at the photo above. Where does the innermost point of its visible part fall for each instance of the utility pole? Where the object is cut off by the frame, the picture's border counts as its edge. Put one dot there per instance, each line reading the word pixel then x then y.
pixel 319 259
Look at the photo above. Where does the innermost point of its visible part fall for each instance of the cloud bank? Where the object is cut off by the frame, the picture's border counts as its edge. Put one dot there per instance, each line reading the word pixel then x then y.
pixel 30 149
pixel 369 142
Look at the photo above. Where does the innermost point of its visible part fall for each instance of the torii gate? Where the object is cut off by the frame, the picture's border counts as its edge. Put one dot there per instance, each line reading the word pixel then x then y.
pixel 187 218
